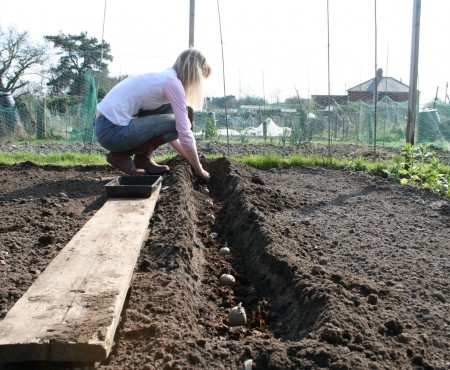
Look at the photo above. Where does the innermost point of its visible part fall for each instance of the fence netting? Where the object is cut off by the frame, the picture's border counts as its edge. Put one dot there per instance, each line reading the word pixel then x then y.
pixel 69 118
pixel 66 118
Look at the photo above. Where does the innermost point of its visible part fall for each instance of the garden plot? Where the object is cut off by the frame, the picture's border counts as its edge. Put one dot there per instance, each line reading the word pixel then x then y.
pixel 71 311
pixel 334 269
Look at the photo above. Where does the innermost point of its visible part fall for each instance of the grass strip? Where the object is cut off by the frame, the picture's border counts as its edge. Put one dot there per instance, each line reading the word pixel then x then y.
pixel 436 181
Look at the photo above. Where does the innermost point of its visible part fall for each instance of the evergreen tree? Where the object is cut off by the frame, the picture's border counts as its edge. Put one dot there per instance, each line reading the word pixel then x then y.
pixel 78 55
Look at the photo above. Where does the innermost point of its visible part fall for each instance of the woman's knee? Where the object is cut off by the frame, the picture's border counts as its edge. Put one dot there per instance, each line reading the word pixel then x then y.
pixel 170 136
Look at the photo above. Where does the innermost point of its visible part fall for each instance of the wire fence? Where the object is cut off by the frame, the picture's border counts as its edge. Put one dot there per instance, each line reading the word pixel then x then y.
pixel 70 119
pixel 65 118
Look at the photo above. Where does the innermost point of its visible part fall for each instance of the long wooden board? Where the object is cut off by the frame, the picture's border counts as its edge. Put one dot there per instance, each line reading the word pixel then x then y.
pixel 72 310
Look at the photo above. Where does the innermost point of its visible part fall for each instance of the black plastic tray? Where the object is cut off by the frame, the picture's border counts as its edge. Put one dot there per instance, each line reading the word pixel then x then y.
pixel 133 186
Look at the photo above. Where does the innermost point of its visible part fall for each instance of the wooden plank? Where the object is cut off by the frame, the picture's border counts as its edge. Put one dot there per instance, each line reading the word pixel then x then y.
pixel 72 310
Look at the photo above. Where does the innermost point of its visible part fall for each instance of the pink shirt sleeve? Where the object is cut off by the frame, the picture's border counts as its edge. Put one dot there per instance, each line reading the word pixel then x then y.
pixel 177 98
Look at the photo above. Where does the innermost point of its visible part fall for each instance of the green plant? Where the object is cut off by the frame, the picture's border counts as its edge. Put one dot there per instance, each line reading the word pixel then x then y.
pixel 419 165
pixel 243 138
pixel 297 133
pixel 210 128
pixel 284 137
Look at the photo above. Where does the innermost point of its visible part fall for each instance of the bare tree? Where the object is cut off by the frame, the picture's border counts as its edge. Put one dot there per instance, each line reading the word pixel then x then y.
pixel 18 57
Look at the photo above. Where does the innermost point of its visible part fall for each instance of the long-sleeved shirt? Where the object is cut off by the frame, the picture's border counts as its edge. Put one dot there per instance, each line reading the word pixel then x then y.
pixel 147 92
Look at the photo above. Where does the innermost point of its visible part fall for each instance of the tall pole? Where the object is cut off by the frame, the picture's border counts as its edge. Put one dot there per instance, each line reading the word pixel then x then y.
pixel 446 94
pixel 385 96
pixel 264 114
pixel 223 74
pixel 264 91
pixel 329 83
pixel 412 96
pixel 376 85
pixel 191 23
pixel 99 74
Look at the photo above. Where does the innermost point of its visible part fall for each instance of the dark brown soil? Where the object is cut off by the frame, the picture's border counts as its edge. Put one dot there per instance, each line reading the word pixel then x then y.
pixel 335 270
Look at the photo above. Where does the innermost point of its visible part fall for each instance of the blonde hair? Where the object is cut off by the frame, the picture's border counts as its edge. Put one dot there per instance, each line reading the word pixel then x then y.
pixel 191 67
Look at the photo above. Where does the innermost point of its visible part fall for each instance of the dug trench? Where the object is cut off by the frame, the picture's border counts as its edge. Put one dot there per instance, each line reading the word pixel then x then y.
pixel 334 269
pixel 305 310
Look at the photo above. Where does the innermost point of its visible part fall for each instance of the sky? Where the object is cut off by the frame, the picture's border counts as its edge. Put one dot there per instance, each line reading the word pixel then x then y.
pixel 270 49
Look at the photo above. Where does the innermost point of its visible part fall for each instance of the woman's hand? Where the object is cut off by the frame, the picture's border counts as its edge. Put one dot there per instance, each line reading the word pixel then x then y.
pixel 203 175
pixel 190 154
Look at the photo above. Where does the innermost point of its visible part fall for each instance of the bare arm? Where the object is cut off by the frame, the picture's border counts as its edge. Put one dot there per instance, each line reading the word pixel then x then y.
pixel 177 146
pixel 191 156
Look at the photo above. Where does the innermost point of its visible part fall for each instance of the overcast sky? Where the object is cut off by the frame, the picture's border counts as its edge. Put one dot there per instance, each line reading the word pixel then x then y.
pixel 270 48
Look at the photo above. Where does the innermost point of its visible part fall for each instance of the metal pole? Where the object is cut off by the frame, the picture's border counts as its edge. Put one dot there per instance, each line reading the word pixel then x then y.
pixel 191 23
pixel 412 97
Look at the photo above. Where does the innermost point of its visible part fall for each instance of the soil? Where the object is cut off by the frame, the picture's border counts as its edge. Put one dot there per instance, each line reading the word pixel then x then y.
pixel 335 270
